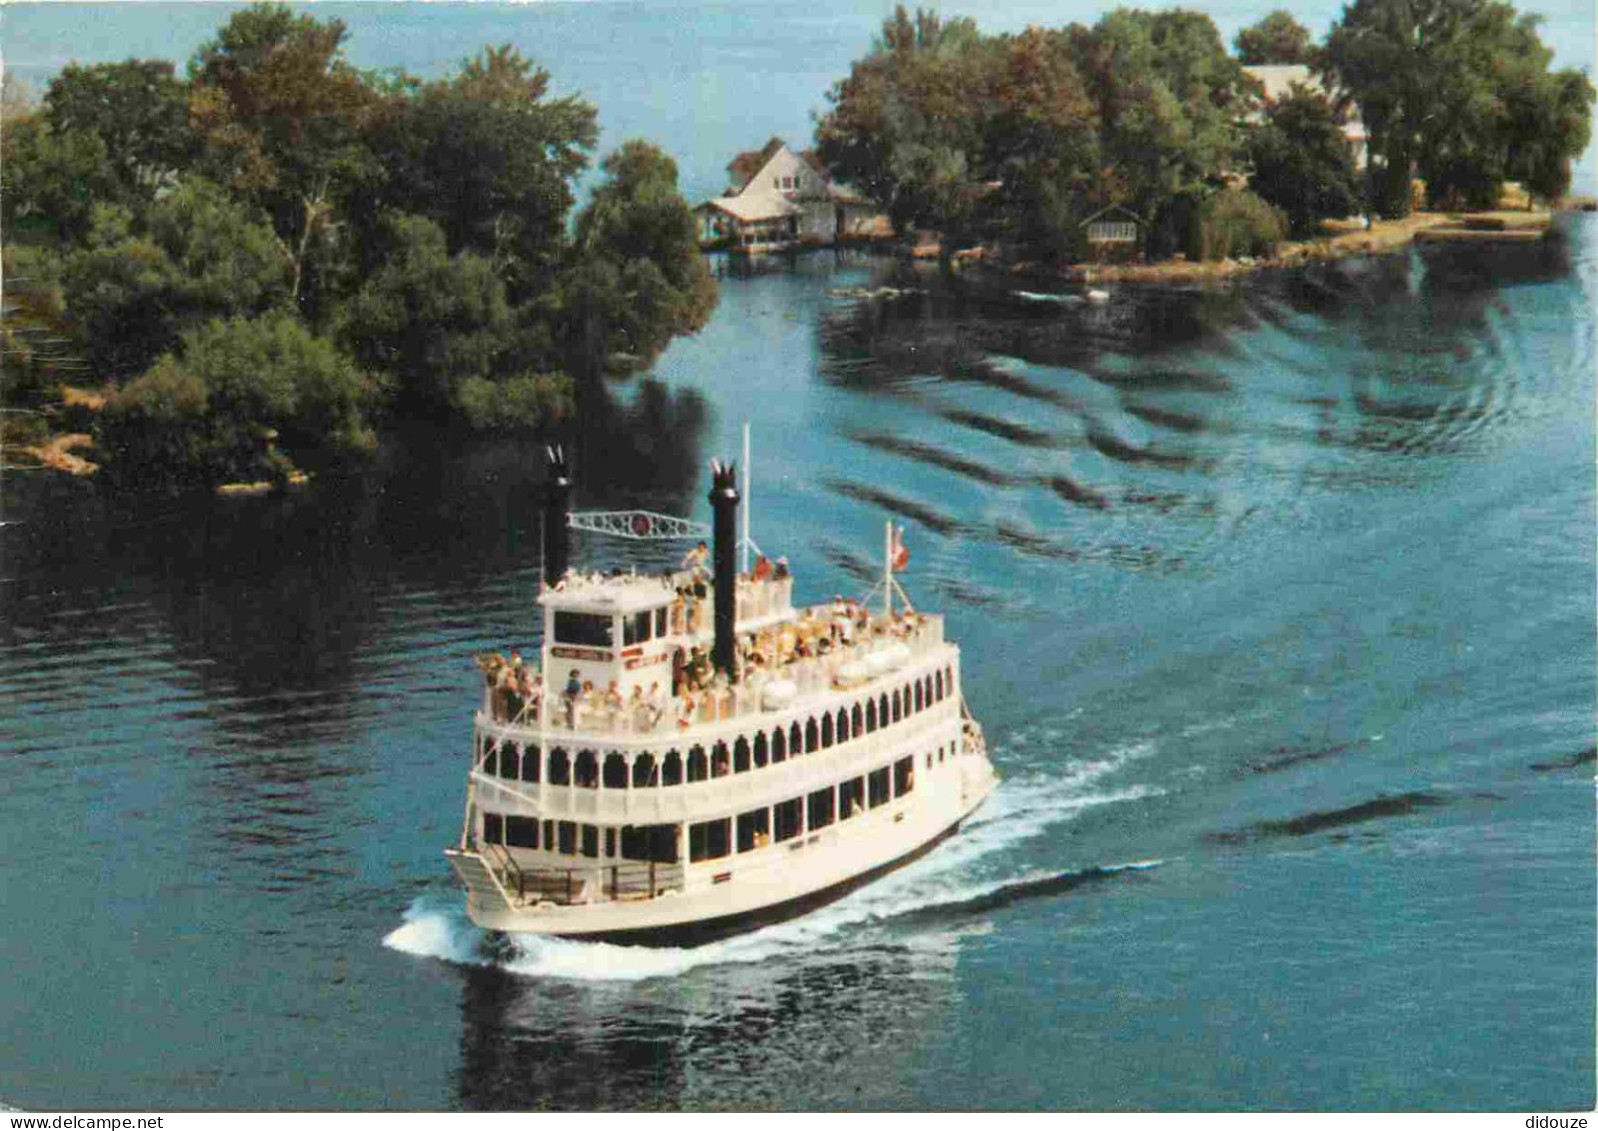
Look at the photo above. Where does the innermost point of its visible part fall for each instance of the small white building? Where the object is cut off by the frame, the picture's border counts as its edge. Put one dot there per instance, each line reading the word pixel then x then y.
pixel 777 198
pixel 1278 80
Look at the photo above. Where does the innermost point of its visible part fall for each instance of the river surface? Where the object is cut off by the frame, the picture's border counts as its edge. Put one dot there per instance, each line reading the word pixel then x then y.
pixel 1276 602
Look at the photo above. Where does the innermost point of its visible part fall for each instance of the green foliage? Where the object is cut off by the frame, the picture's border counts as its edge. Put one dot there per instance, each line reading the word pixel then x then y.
pixel 1278 38
pixel 637 278
pixel 1459 92
pixel 490 159
pixel 1302 162
pixel 140 112
pixel 1019 136
pixel 1233 223
pixel 527 401
pixel 244 399
pixel 428 319
pixel 52 177
pixel 202 255
pixel 199 226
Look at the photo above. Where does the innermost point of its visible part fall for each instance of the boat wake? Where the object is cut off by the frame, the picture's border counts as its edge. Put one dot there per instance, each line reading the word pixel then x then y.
pixel 947 882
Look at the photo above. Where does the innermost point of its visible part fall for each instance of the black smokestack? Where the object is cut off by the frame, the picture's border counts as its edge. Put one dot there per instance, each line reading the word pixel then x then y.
pixel 724 504
pixel 557 508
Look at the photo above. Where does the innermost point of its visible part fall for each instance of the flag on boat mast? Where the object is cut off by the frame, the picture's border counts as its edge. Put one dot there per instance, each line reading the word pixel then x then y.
pixel 899 557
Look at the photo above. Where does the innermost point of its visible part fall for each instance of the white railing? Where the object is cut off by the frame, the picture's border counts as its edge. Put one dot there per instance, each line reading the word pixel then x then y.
pixel 889 648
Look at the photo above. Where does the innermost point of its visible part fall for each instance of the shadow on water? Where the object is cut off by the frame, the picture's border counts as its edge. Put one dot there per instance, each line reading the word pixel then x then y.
pixel 1310 823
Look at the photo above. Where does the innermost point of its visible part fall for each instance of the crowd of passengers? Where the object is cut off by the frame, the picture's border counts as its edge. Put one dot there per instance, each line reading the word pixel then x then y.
pixel 515 688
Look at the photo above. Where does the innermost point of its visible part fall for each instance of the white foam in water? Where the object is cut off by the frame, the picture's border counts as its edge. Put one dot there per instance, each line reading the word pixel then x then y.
pixel 1017 811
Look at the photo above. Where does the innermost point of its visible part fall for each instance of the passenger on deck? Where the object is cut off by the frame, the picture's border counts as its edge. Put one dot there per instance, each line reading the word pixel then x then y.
pixel 763 568
pixel 780 573
pixel 656 705
pixel 574 691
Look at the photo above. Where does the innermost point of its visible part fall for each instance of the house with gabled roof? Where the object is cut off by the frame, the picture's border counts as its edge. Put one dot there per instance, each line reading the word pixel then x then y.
pixel 777 198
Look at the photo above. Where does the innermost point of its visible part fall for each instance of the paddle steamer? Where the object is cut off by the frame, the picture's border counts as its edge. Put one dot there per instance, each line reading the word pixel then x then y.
pixel 700 756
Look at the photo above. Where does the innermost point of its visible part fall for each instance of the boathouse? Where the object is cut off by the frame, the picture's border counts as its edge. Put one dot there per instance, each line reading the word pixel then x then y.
pixel 777 199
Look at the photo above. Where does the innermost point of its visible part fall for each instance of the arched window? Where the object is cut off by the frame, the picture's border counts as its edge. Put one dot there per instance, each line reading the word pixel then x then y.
pixel 560 766
pixel 740 755
pixel 671 769
pixel 491 758
pixel 796 740
pixel 855 716
pixel 720 762
pixel 937 685
pixel 761 749
pixel 812 736
pixel 587 771
pixel 644 774
pixel 871 715
pixel 898 707
pixel 920 702
pixel 510 761
pixel 779 746
pixel 843 724
pixel 531 757
pixel 826 731
pixel 698 765
pixel 615 771
pixel 882 708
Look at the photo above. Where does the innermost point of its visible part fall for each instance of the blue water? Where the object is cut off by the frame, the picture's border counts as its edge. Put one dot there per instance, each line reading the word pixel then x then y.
pixel 1276 601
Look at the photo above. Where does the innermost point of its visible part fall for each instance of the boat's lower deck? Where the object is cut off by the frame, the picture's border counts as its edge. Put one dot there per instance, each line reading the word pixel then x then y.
pixel 686 904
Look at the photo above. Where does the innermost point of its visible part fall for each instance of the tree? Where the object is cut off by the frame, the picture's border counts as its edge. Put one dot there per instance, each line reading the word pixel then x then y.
pixel 284 118
pixel 428 319
pixel 1549 121
pixel 140 112
pixel 905 127
pixel 51 179
pixel 1443 87
pixel 490 158
pixel 1302 162
pixel 1169 99
pixel 201 255
pixel 637 278
pixel 1278 38
pixel 241 399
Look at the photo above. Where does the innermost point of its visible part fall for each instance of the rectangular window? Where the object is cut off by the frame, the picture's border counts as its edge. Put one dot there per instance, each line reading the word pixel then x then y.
pixel 591 629
pixel 635 627
pixel 590 841
pixel 649 842
pixel 660 621
pixel 522 832
pixel 493 828
pixel 851 798
pixel 610 843
pixel 754 829
pixel 709 840
pixel 904 775
pixel 567 831
pixel 877 783
pixel 789 819
pixel 819 809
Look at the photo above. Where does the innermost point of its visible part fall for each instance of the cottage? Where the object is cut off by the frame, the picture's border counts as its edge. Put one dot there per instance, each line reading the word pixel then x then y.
pixel 777 198
pixel 1114 232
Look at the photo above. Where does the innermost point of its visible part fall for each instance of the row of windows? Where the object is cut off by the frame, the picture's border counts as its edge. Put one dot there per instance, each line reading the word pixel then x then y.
pixel 508 760
pixel 631 842
pixel 711 840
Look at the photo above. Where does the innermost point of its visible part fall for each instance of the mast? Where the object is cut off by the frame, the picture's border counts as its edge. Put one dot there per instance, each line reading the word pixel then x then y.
pixel 887 570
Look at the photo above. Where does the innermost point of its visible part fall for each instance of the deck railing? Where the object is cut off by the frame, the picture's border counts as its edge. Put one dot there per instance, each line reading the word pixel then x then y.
pixel 887 648
pixel 593 883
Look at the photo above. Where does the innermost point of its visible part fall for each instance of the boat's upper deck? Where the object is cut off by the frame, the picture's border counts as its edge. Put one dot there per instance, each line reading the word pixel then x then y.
pixel 628 656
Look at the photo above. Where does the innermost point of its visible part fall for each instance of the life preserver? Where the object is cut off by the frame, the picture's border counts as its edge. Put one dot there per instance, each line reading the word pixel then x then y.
pixel 641 524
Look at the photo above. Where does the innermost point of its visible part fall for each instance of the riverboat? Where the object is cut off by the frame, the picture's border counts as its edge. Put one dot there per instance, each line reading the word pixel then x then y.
pixel 699 756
